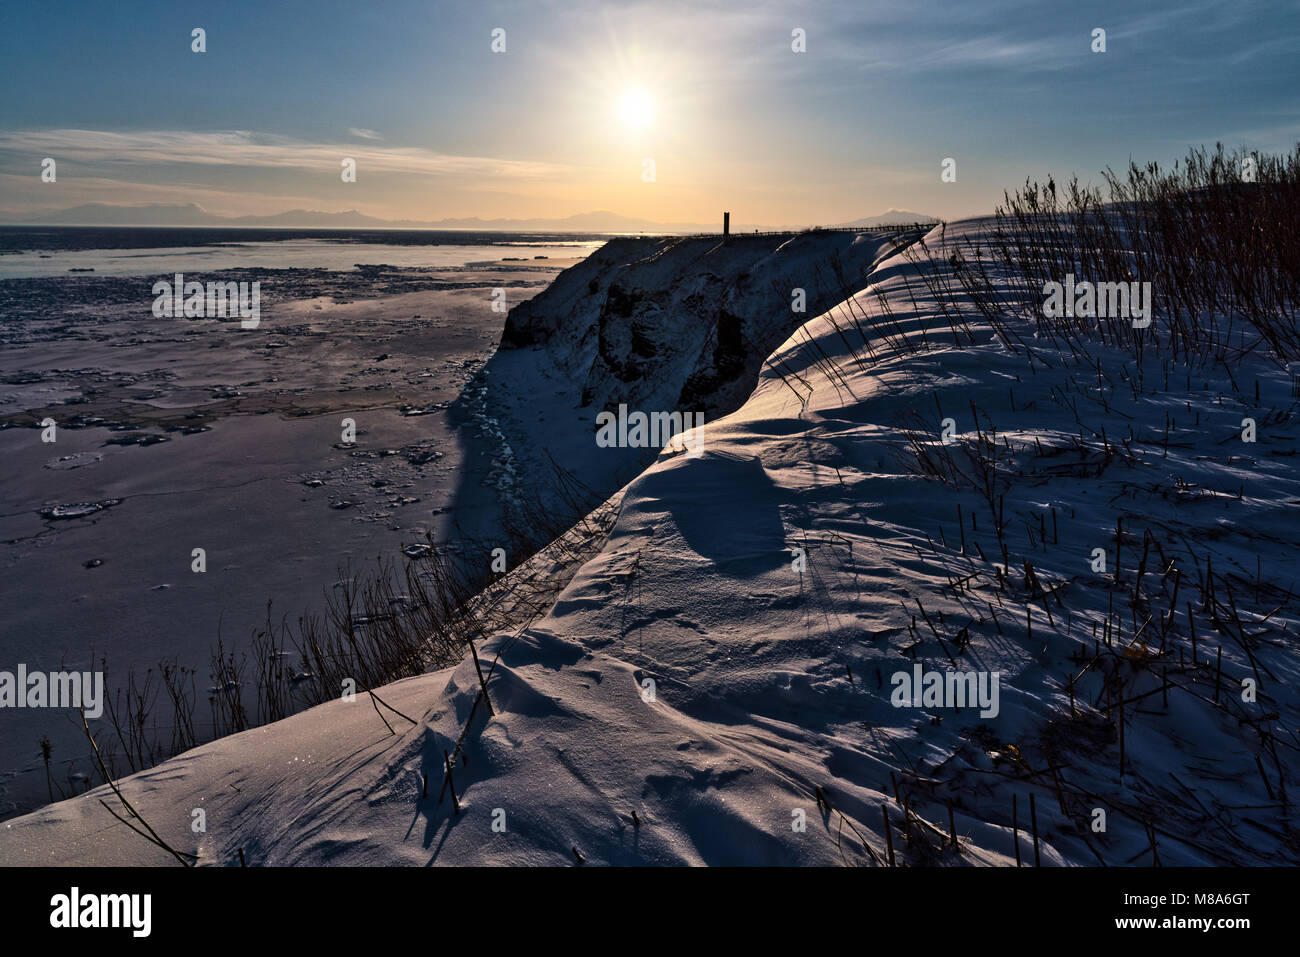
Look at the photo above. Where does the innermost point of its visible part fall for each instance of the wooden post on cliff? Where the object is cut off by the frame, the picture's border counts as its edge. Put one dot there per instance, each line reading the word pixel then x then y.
pixel 726 225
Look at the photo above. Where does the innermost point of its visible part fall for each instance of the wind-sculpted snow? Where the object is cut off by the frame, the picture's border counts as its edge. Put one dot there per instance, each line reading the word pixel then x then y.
pixel 719 683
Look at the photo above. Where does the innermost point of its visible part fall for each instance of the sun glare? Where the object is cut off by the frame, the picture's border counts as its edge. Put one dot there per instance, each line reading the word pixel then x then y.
pixel 636 110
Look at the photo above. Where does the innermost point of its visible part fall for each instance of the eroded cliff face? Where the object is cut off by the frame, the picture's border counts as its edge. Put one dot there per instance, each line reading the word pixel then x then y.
pixel 685 323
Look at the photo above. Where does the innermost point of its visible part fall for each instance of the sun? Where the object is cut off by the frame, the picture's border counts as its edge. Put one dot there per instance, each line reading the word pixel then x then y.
pixel 636 109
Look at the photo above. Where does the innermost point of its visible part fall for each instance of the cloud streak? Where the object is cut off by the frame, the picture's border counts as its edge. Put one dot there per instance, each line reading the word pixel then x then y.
pixel 250 150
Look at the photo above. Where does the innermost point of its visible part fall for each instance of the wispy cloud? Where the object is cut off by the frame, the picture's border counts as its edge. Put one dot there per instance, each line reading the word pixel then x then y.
pixel 364 133
pixel 241 148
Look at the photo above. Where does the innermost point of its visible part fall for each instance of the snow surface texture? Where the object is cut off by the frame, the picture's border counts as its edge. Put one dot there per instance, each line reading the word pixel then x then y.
pixel 772 681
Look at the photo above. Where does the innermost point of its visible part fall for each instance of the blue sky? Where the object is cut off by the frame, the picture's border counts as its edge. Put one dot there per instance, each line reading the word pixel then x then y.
pixel 441 126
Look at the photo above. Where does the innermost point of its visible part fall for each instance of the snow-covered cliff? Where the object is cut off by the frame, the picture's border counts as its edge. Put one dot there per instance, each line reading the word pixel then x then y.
pixel 656 325
pixel 676 323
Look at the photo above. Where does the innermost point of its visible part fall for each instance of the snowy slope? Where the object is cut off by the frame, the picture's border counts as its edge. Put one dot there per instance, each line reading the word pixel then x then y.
pixel 772 680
